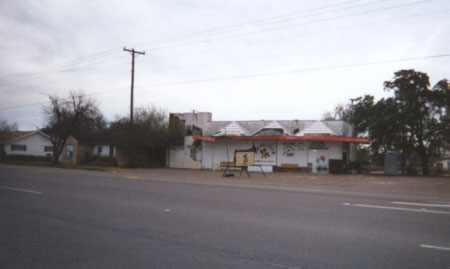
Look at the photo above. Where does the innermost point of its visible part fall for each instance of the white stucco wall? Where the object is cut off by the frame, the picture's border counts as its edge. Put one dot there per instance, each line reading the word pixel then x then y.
pixel 292 152
pixel 280 152
pixel 183 157
pixel 445 164
pixel 35 144
pixel 286 152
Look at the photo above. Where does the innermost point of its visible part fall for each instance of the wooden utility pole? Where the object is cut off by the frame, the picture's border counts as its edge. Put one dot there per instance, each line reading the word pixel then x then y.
pixel 133 53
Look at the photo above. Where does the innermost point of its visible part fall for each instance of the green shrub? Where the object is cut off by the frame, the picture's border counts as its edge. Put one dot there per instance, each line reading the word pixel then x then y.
pixel 25 158
pixel 99 160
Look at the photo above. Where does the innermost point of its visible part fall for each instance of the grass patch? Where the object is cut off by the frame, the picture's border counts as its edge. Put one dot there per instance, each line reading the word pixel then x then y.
pixel 28 163
pixel 87 167
pixel 45 163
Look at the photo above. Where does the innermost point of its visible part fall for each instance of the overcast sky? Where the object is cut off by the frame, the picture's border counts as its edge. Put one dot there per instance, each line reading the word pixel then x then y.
pixel 239 59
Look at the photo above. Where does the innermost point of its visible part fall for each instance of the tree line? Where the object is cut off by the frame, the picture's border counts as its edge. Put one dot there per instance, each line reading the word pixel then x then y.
pixel 78 116
pixel 414 119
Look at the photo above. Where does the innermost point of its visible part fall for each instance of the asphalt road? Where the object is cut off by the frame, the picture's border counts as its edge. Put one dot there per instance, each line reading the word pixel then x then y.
pixel 52 218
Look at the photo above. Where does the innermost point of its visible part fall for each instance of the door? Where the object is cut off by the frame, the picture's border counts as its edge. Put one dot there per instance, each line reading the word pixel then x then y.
pixel 319 160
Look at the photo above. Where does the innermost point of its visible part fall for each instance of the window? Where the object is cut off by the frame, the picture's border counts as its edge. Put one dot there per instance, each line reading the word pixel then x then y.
pixel 69 151
pixel 48 149
pixel 99 150
pixel 18 147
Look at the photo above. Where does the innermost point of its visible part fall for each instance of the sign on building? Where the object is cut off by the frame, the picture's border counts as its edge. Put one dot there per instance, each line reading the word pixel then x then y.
pixel 318 145
pixel 245 158
pixel 266 153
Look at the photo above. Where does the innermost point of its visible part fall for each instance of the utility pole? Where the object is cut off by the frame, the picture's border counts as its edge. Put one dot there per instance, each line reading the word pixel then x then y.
pixel 133 53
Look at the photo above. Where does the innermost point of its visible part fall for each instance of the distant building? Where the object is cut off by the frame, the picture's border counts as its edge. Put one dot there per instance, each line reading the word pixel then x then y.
pixel 304 144
pixel 78 150
pixel 32 143
pixel 444 160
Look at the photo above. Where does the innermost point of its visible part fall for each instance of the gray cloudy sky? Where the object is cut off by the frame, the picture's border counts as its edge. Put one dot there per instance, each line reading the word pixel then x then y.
pixel 239 59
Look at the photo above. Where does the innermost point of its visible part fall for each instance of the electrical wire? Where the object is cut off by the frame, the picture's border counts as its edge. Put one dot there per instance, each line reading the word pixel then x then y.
pixel 256 75
pixel 266 21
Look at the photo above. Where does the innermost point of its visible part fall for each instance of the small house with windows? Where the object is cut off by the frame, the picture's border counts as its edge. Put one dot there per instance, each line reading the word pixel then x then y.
pixel 31 143
pixel 86 149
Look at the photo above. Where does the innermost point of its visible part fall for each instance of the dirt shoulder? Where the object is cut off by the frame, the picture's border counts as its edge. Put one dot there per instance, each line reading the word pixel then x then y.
pixel 419 184
pixel 376 182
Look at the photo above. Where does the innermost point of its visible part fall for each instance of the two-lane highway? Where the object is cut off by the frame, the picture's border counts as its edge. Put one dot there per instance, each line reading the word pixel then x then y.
pixel 56 218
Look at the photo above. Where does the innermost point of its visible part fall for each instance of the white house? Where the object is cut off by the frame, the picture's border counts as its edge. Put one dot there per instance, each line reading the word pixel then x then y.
pixel 444 160
pixel 307 145
pixel 34 143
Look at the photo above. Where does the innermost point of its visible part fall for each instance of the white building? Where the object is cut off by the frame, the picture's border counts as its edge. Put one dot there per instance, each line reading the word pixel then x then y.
pixel 34 143
pixel 444 160
pixel 305 145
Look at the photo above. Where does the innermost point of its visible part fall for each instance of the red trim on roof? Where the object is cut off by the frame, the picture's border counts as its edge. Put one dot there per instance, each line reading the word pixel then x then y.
pixel 283 137
pixel 204 138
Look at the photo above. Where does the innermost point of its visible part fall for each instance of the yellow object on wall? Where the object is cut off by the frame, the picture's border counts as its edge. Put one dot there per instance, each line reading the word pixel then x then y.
pixel 245 158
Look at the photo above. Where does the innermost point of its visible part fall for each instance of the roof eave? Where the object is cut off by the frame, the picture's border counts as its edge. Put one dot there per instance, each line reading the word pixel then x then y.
pixel 291 138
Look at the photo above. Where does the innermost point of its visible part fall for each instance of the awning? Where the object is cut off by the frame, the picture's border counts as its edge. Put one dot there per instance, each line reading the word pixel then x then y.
pixel 290 138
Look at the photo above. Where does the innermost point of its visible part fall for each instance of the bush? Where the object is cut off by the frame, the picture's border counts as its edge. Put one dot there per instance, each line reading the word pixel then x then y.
pixel 358 167
pixel 99 160
pixel 25 158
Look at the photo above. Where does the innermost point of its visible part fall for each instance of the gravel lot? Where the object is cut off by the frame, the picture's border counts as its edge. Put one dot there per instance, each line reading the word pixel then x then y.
pixel 420 184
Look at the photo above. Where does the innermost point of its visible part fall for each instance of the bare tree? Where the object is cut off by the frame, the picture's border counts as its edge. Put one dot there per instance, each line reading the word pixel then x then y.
pixel 65 116
pixel 341 112
pixel 150 138
pixel 5 129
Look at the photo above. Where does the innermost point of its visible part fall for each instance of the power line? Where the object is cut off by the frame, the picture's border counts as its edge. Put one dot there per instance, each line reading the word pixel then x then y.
pixel 235 27
pixel 171 39
pixel 37 75
pixel 70 62
pixel 298 71
pixel 245 35
pixel 96 66
pixel 52 71
pixel 43 103
pixel 210 31
pixel 258 75
pixel 78 69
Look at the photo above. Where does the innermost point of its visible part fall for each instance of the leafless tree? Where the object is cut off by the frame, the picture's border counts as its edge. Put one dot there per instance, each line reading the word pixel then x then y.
pixel 64 116
pixel 341 112
pixel 5 129
pixel 150 136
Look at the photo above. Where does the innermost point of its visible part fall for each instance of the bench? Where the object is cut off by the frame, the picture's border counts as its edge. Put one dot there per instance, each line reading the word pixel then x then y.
pixel 289 165
pixel 228 165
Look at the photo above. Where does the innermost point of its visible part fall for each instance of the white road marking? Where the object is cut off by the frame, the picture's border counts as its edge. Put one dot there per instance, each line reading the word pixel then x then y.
pixel 282 266
pixel 22 190
pixel 421 204
pixel 167 210
pixel 422 210
pixel 435 247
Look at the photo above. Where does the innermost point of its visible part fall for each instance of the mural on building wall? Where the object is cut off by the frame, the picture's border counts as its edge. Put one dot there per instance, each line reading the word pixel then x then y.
pixel 288 149
pixel 265 153
pixel 322 163
pixel 195 150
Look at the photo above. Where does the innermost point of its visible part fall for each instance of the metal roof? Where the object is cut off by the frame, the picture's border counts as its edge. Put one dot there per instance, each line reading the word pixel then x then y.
pixel 317 128
pixel 232 129
pixel 274 125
